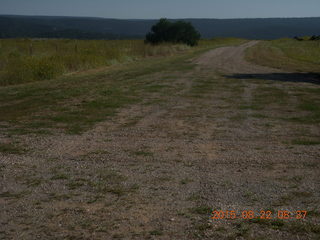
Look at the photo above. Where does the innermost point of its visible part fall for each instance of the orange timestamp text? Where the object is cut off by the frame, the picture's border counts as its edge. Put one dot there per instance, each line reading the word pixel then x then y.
pixel 250 214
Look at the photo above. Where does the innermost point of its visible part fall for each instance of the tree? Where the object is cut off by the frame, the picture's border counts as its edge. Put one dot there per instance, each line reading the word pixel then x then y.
pixel 174 32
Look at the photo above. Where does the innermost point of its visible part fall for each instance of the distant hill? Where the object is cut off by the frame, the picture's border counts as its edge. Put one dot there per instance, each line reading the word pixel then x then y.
pixel 12 26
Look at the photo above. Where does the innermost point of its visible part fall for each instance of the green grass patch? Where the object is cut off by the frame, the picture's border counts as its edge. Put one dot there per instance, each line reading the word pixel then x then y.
pixel 8 148
pixel 266 95
pixel 13 195
pixel 250 107
pixel 305 142
pixel 201 210
pixel 156 233
pixel 143 153
pixel 309 106
pixel 77 102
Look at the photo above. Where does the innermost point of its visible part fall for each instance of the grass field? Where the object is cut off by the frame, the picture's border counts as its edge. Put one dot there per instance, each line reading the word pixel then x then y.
pixel 27 60
pixel 76 102
pixel 287 54
pixel 147 149
pixel 292 56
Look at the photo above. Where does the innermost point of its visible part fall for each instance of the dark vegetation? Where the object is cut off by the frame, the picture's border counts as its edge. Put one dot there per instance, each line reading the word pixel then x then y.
pixel 173 32
pixel 312 38
pixel 315 38
pixel 99 28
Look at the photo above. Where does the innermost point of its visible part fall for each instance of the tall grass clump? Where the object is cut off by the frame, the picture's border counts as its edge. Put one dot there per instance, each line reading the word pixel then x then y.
pixel 27 60
pixel 26 69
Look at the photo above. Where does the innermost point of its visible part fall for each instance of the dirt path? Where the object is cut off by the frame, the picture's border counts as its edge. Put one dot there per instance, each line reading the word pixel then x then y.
pixel 159 168
pixel 231 60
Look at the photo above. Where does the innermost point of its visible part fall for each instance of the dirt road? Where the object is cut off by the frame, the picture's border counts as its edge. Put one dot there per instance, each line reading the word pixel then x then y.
pixel 159 168
pixel 231 60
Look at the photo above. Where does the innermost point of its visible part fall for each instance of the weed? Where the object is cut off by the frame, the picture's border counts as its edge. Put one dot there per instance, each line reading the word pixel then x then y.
pixel 201 210
pixel 8 148
pixel 156 233
pixel 305 142
pixel 12 195
pixel 186 181
pixel 143 153
pixel 60 176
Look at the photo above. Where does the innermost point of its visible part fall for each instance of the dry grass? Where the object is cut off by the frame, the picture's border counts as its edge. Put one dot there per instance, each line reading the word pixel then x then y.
pixel 28 60
pixel 287 54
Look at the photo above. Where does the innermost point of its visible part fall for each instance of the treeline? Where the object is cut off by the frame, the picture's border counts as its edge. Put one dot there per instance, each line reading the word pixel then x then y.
pixel 64 34
pixel 57 27
pixel 100 28
pixel 77 34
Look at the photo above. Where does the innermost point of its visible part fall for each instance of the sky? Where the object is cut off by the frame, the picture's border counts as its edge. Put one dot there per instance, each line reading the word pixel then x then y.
pixel 154 9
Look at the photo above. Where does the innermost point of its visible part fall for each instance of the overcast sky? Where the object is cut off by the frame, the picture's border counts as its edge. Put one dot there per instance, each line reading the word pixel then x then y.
pixel 154 9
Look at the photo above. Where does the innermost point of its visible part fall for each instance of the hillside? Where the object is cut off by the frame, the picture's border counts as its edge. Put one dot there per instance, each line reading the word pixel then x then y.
pixel 101 28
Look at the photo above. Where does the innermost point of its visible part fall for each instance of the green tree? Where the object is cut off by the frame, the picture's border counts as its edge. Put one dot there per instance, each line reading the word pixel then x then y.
pixel 174 32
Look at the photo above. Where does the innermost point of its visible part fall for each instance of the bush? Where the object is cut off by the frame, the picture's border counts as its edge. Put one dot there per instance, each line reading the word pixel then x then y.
pixel 46 68
pixel 27 69
pixel 176 32
pixel 315 38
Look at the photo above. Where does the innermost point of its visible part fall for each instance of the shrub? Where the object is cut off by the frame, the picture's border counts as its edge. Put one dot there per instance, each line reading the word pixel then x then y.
pixel 176 32
pixel 315 38
pixel 46 68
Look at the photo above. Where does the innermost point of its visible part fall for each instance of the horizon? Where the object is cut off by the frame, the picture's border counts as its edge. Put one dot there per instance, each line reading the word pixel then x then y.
pixel 66 16
pixel 173 9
